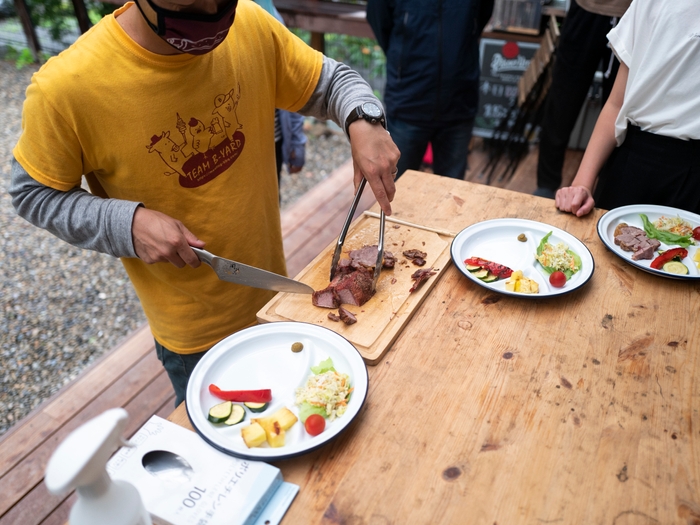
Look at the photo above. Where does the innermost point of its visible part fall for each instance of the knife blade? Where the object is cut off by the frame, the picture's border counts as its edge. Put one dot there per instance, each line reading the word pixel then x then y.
pixel 239 273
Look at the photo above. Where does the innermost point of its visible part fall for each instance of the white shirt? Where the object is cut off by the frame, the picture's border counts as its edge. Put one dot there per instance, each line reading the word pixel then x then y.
pixel 659 41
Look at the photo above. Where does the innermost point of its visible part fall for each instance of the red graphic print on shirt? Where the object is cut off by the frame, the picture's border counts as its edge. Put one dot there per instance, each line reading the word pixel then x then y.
pixel 206 150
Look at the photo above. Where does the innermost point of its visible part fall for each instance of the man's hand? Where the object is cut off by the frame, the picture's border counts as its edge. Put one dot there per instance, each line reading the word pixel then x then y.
pixel 374 157
pixel 160 238
pixel 574 199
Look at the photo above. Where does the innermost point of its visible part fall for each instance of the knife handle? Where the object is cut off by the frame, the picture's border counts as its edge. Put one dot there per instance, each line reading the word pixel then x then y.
pixel 204 255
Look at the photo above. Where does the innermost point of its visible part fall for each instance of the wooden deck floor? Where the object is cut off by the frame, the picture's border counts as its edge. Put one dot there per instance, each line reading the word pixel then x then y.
pixel 131 376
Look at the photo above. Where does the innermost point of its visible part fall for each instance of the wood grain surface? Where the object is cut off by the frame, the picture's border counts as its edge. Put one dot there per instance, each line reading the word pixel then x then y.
pixel 380 319
pixel 490 409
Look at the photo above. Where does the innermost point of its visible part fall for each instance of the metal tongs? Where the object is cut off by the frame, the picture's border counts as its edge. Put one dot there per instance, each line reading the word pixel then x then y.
pixel 344 232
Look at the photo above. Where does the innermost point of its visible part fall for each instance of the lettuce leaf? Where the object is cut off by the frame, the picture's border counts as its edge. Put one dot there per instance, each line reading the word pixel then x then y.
pixel 665 237
pixel 568 271
pixel 306 409
pixel 323 366
pixel 540 247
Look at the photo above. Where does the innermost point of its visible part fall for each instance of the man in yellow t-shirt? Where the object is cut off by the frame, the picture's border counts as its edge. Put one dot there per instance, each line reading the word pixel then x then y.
pixel 167 108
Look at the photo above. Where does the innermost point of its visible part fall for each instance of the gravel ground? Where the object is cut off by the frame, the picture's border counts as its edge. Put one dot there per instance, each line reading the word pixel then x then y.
pixel 63 307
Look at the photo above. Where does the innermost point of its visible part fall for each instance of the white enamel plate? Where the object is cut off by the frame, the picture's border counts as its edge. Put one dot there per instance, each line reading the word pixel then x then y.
pixel 631 216
pixel 261 357
pixel 497 241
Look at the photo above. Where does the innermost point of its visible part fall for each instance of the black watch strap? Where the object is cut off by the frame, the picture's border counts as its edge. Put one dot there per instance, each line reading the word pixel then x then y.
pixel 373 117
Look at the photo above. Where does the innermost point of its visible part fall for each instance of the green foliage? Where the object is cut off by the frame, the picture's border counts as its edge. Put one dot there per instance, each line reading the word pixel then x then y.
pixel 302 34
pixel 58 16
pixel 22 57
pixel 361 54
pixel 357 52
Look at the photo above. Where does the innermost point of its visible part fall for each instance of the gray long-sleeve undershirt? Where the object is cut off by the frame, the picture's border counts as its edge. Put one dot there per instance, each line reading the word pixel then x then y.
pixel 104 225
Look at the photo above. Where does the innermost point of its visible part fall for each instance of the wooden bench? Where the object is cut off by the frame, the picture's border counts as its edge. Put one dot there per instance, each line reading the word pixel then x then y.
pixel 131 376
pixel 321 17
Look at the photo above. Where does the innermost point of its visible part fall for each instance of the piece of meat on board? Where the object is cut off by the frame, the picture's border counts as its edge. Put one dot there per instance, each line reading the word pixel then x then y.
pixel 333 317
pixel 367 257
pixel 346 316
pixel 417 257
pixel 355 288
pixel 420 276
pixel 326 298
pixel 412 254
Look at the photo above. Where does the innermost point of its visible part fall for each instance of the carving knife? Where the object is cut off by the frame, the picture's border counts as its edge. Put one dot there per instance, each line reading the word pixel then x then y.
pixel 239 273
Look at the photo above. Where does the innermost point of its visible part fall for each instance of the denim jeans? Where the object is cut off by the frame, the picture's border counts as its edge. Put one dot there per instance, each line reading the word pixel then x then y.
pixel 450 143
pixel 179 368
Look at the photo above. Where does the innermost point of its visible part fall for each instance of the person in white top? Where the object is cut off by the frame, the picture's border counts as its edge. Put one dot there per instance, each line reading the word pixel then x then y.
pixel 645 148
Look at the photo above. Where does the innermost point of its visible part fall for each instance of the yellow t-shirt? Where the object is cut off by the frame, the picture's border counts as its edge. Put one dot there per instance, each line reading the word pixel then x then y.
pixel 190 136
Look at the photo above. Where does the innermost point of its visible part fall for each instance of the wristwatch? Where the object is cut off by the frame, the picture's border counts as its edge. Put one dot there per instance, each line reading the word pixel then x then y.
pixel 369 111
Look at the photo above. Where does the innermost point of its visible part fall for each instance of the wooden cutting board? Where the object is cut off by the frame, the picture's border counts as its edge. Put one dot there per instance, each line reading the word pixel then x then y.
pixel 379 320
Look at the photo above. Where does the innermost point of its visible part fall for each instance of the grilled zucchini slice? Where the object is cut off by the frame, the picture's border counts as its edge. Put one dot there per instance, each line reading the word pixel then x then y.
pixel 221 412
pixel 237 415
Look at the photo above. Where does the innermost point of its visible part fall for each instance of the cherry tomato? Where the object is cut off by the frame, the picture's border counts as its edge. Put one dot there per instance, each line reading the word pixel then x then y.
pixel 557 279
pixel 315 424
pixel 696 233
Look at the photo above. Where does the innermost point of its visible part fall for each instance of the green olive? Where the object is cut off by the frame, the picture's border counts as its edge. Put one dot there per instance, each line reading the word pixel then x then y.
pixel 522 237
pixel 297 347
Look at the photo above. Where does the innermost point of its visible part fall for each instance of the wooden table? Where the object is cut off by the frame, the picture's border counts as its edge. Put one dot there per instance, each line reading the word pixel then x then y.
pixel 580 409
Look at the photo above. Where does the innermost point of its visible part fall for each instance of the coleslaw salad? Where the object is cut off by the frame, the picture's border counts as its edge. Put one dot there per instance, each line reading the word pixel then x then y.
pixel 326 392
pixel 557 257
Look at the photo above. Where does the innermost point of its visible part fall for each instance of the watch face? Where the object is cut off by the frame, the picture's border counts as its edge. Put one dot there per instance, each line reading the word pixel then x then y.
pixel 371 110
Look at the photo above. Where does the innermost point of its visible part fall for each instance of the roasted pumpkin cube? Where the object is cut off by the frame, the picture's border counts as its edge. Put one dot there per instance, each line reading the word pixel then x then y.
pixel 253 435
pixel 283 416
pixel 273 431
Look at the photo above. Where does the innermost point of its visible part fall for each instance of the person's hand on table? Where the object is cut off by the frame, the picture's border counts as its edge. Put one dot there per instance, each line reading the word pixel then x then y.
pixel 574 199
pixel 160 238
pixel 374 157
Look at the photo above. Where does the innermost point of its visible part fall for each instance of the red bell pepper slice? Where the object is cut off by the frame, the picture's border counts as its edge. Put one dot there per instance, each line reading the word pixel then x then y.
pixel 242 396
pixel 498 270
pixel 669 255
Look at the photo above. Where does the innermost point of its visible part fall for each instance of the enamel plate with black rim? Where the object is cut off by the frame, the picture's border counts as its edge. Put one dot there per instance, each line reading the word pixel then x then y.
pixel 497 240
pixel 261 357
pixel 631 215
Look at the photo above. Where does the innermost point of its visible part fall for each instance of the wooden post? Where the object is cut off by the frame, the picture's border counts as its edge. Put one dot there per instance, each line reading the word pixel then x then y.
pixel 81 13
pixel 318 41
pixel 32 40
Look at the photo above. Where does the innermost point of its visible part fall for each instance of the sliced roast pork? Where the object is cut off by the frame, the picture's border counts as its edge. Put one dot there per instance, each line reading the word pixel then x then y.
pixel 367 257
pixel 355 288
pixel 346 316
pixel 353 279
pixel 420 276
pixel 346 288
pixel 326 298
pixel 417 257
pixel 633 239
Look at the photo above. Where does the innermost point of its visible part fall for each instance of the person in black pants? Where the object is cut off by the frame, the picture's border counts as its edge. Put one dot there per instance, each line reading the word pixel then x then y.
pixel 432 77
pixel 582 47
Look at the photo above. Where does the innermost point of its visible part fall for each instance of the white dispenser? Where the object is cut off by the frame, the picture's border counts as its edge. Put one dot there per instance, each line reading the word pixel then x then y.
pixel 79 463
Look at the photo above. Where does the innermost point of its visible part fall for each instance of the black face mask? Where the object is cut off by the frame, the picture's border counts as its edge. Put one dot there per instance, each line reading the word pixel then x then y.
pixel 192 33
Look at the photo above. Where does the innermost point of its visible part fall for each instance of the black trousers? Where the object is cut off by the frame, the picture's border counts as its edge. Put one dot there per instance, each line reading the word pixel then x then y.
pixel 582 46
pixel 651 169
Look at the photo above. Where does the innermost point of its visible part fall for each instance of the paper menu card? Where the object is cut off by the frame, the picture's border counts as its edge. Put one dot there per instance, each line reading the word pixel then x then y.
pixel 198 485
